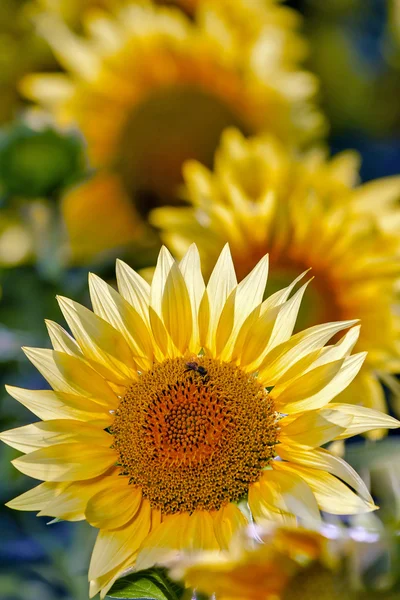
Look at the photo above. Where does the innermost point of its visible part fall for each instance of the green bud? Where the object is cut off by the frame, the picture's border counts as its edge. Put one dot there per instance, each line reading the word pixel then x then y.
pixel 38 163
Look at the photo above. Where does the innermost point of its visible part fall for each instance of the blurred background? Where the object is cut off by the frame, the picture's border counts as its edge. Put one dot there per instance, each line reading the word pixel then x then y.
pixel 354 51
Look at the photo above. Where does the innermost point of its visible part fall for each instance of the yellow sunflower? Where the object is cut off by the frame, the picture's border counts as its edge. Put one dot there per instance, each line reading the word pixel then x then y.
pixel 274 563
pixel 283 563
pixel 176 402
pixel 150 87
pixel 306 211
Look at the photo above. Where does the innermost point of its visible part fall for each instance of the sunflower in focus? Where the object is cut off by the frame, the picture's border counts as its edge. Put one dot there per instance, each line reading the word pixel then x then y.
pixel 274 563
pixel 149 86
pixel 307 212
pixel 179 412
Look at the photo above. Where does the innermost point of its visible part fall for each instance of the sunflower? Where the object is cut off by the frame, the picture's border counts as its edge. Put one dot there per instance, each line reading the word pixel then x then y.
pixel 173 404
pixel 306 211
pixel 275 563
pixel 150 87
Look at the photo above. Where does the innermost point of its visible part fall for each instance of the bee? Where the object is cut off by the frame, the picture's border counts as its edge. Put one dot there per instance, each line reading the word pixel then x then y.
pixel 193 366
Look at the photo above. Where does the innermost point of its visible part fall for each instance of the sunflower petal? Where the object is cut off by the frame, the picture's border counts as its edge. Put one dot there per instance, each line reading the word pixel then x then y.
pixel 178 322
pixel 363 419
pixel 72 375
pixel 115 505
pixel 134 289
pixel 332 495
pixel 100 342
pixel 43 434
pixel 289 493
pixel 162 541
pixel 115 547
pixel 221 283
pixel 199 532
pixel 226 522
pixel 161 272
pixel 311 429
pixel 279 360
pixel 191 270
pixel 66 462
pixel 112 307
pixel 319 458
pixel 304 387
pixel 337 384
pixel 36 498
pixel 61 340
pixel 47 404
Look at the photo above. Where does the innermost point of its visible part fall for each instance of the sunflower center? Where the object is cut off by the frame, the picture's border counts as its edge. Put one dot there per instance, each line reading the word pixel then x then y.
pixel 168 127
pixel 194 434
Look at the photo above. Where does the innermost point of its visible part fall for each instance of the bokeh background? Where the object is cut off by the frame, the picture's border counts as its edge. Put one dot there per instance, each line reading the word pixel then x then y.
pixel 355 51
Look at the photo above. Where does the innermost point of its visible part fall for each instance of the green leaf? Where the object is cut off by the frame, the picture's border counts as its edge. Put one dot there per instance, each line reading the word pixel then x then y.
pixel 152 584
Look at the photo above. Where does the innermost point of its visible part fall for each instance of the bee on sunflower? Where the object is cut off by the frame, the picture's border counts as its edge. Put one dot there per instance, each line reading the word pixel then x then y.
pixel 149 86
pixel 180 412
pixel 305 211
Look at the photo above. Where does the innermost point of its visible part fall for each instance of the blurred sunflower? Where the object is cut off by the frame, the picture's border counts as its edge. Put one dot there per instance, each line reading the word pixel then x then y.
pixel 275 563
pixel 173 403
pixel 284 563
pixel 150 87
pixel 306 212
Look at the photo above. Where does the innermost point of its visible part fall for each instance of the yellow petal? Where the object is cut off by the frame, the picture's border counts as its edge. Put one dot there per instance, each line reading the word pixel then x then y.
pixel 104 583
pixel 221 283
pixel 72 375
pixel 289 493
pixel 47 404
pixel 337 384
pixel 66 462
pixel 165 345
pixel 262 510
pixel 199 532
pixel 312 429
pixel 363 419
pixel 273 327
pixel 332 495
pixel 277 362
pixel 114 506
pixel 323 460
pixel 191 270
pixel 49 89
pixel 112 548
pixel 43 434
pixel 176 309
pixel 71 499
pixel 300 389
pixel 163 541
pixel 226 522
pixel 61 340
pixel 134 289
pixel 161 272
pixel 36 498
pixel 101 343
pixel 112 307
pixel 73 53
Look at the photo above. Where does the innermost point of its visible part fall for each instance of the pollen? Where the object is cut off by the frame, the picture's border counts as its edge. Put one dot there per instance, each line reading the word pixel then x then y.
pixel 194 439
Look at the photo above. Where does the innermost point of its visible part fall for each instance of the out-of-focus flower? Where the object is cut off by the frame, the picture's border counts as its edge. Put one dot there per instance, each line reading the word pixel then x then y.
pixel 21 52
pixel 277 563
pixel 16 242
pixel 306 212
pixel 35 163
pixel 99 216
pixel 150 87
pixel 175 401
pixel 268 564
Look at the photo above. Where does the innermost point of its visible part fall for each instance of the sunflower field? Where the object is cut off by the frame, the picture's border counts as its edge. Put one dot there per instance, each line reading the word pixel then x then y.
pixel 200 299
